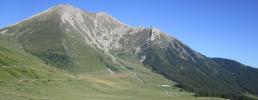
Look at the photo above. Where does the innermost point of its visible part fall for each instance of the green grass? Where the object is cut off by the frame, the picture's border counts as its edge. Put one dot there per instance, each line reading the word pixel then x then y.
pixel 14 65
pixel 22 77
pixel 91 87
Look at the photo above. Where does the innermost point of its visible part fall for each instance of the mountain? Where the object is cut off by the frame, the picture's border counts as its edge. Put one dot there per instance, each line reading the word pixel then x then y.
pixel 76 42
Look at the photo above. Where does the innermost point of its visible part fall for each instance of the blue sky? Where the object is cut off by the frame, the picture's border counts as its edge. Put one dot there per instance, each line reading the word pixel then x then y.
pixel 215 28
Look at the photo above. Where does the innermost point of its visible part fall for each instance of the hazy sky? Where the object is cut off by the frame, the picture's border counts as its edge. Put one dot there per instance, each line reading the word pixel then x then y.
pixel 215 28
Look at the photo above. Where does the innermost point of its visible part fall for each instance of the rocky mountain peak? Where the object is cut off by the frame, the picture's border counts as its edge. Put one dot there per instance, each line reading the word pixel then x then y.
pixel 65 8
pixel 73 14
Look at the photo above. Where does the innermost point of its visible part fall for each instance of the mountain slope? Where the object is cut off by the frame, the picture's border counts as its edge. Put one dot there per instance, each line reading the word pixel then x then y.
pixel 25 77
pixel 245 76
pixel 58 37
pixel 16 65
pixel 81 42
pixel 192 70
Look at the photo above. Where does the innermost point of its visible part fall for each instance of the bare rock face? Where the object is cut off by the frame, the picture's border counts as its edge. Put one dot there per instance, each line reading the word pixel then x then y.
pixel 100 30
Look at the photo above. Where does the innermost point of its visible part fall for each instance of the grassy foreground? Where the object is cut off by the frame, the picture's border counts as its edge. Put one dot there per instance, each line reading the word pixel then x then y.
pixel 24 77
pixel 90 87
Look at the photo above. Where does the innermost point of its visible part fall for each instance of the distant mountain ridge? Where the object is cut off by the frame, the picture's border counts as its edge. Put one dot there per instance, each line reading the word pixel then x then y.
pixel 77 41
